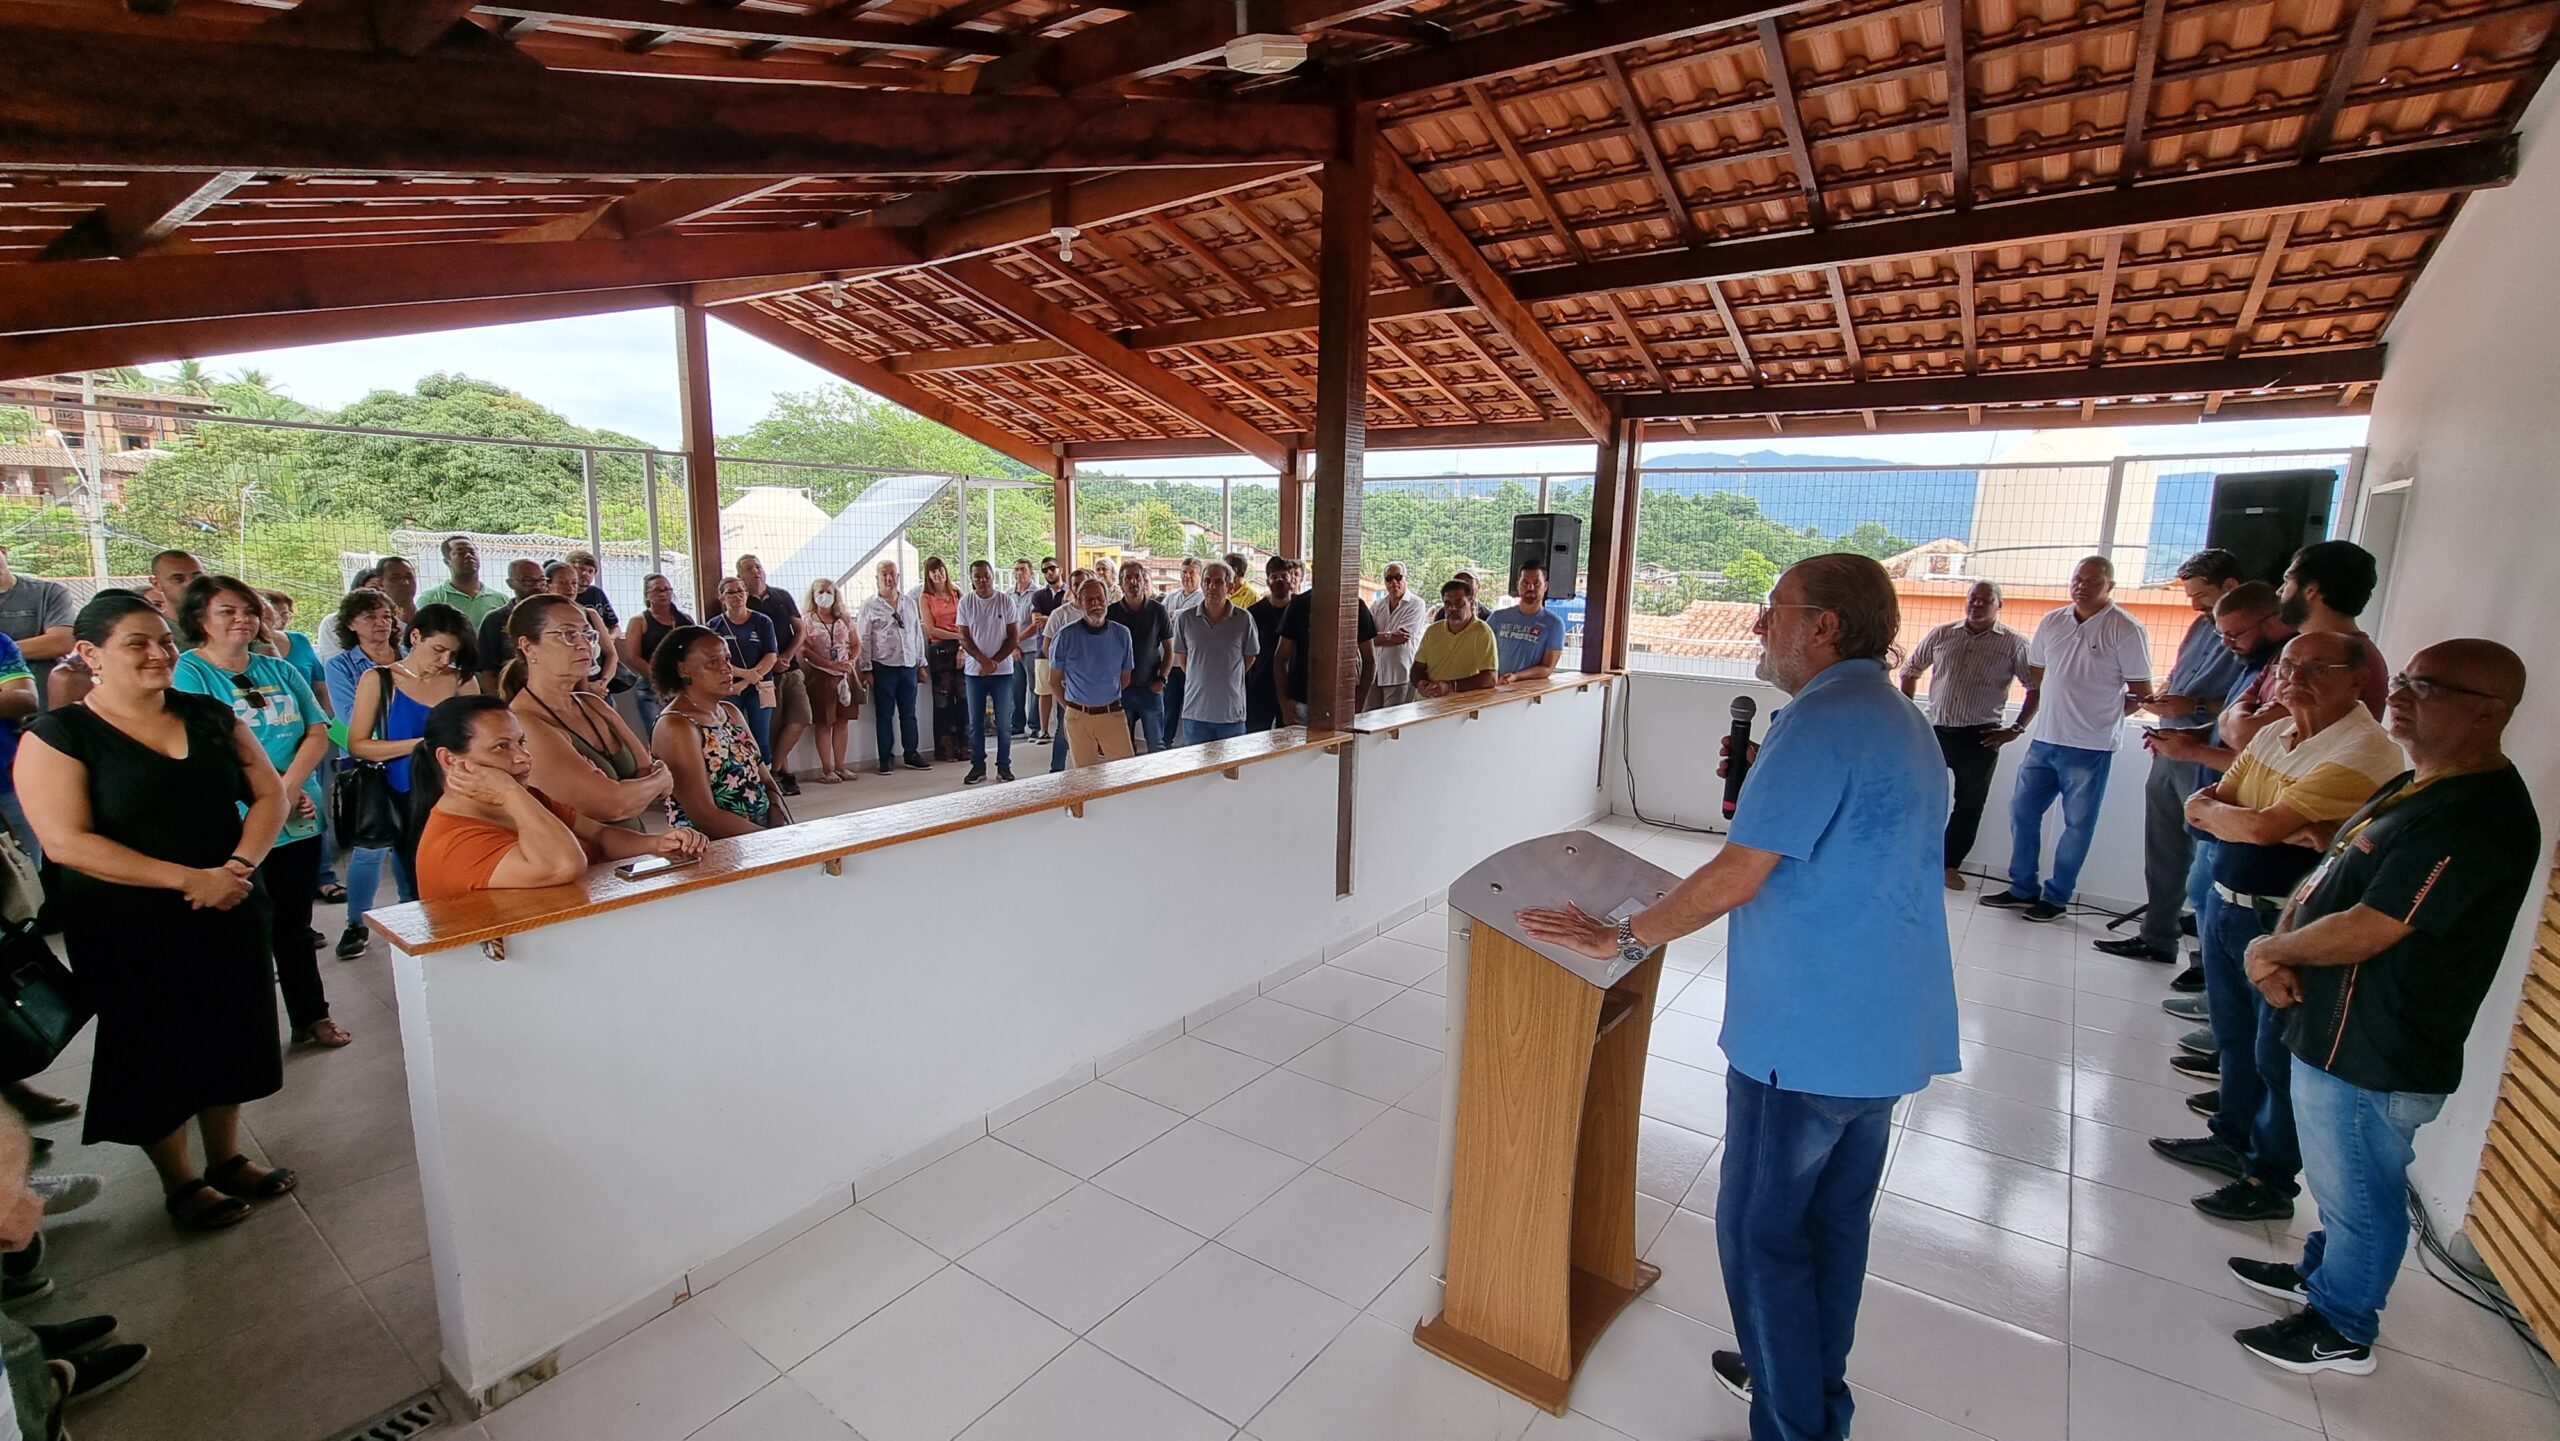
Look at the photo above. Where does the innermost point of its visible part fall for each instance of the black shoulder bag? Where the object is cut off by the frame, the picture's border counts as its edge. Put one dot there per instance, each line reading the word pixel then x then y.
pixel 368 813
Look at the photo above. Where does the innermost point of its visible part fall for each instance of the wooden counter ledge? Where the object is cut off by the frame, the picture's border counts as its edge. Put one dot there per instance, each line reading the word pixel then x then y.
pixel 1391 719
pixel 494 915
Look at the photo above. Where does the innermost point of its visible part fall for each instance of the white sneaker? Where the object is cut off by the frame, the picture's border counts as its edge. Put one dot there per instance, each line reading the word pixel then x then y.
pixel 67 1192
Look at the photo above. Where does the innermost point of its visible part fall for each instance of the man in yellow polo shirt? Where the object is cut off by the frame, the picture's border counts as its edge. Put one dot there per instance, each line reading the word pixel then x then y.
pixel 1457 650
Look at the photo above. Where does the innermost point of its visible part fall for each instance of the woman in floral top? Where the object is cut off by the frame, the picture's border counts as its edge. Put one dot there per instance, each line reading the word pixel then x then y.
pixel 721 785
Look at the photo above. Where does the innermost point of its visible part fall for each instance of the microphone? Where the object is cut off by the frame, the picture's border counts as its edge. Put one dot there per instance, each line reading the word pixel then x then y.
pixel 1737 751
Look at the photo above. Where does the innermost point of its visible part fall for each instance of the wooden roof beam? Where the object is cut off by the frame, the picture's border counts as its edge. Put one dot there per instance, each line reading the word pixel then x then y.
pixel 1157 39
pixel 2137 94
pixel 2021 387
pixel 1574 35
pixel 1622 88
pixel 279 108
pixel 782 335
pixel 1959 104
pixel 1413 204
pixel 1016 211
pixel 144 214
pixel 724 22
pixel 159 289
pixel 2323 125
pixel 1782 94
pixel 2279 234
pixel 1035 312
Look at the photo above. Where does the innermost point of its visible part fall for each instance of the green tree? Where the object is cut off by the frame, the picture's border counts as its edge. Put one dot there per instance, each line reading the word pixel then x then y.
pixel 1748 578
pixel 1154 526
pixel 16 425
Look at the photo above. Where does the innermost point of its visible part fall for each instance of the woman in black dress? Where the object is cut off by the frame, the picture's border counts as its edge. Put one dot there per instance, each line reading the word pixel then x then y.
pixel 138 795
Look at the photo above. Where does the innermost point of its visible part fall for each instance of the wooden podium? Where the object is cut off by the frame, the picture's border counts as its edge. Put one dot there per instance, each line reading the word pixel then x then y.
pixel 1550 1054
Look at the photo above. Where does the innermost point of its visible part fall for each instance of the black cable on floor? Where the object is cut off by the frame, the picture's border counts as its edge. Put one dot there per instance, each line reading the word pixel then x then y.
pixel 2476 1287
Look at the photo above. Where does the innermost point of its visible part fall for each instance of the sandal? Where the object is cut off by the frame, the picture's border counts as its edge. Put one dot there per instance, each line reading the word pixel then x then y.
pixel 333 893
pixel 224 1176
pixel 323 1032
pixel 219 1213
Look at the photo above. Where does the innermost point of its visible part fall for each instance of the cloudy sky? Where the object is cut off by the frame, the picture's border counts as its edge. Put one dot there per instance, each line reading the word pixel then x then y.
pixel 617 372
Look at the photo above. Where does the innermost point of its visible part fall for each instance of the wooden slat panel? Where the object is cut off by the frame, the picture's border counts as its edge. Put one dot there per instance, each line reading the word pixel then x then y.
pixel 2515 1207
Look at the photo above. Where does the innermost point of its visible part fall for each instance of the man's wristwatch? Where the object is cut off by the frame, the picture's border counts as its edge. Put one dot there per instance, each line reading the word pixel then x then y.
pixel 1630 950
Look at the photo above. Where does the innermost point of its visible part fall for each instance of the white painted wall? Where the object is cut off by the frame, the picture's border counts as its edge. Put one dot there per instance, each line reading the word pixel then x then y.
pixel 1670 725
pixel 632 1097
pixel 2464 410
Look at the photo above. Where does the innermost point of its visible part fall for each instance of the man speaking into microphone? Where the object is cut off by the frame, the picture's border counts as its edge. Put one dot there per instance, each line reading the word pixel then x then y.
pixel 1840 993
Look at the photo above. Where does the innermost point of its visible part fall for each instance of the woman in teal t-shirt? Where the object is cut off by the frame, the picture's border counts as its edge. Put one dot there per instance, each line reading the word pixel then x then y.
pixel 219 618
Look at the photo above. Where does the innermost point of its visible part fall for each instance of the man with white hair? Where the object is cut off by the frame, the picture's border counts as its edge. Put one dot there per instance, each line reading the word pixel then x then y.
pixel 1401 616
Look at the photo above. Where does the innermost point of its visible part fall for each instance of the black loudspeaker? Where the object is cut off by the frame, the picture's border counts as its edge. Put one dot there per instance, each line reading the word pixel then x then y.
pixel 1552 538
pixel 2265 517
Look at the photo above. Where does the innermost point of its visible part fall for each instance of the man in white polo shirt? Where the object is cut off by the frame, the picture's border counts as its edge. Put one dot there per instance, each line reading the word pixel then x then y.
pixel 2091 666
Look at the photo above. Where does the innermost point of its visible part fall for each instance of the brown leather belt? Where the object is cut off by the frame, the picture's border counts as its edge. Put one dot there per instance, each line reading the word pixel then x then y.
pixel 1092 709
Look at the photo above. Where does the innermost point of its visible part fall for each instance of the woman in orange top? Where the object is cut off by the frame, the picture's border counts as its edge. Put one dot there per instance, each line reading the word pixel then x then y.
pixel 482 828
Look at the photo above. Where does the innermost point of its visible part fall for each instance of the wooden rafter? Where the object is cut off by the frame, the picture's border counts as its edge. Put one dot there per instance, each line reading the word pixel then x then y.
pixel 1782 94
pixel 1959 70
pixel 1489 115
pixel 1027 208
pixel 1845 319
pixel 845 365
pixel 1965 304
pixel 280 108
pixel 1156 39
pixel 1431 378
pixel 2322 128
pixel 2022 387
pixel 1635 342
pixel 1420 212
pixel 2106 299
pixel 1733 332
pixel 2137 94
pixel 727 22
pixel 1648 148
pixel 146 213
pixel 1576 34
pixel 206 287
pixel 1028 308
pixel 2279 234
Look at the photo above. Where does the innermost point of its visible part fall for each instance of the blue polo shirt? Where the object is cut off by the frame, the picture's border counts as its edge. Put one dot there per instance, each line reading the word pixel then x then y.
pixel 2206 669
pixel 1839 981
pixel 1091 660
pixel 1521 640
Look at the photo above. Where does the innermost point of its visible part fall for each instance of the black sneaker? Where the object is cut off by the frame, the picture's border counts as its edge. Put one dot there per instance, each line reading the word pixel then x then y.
pixel 2189 981
pixel 2202 1152
pixel 72 1336
pixel 2187 924
pixel 886 768
pixel 2199 1042
pixel 2131 948
pixel 975 775
pixel 95 1373
pixel 2246 1201
pixel 789 783
pixel 1004 773
pixel 17 1291
pixel 2203 1068
pixel 2004 901
pixel 2305 1344
pixel 317 940
pixel 2185 1008
pixel 352 943
pixel 1731 1374
pixel 918 763
pixel 2043 911
pixel 2207 1104
pixel 2275 1278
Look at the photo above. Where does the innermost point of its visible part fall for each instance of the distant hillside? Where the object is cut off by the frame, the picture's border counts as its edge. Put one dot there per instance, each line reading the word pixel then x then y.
pixel 1916 504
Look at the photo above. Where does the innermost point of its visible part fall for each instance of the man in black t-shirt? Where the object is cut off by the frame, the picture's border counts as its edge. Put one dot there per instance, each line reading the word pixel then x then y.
pixel 791 714
pixel 1296 645
pixel 1261 697
pixel 1044 604
pixel 2378 971
pixel 1151 651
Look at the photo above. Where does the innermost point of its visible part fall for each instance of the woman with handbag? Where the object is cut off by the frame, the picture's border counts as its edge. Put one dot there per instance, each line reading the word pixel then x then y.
pixel 722 784
pixel 828 651
pixel 139 796
pixel 367 631
pixel 939 602
pixel 221 617
pixel 583 754
pixel 386 714
pixel 755 648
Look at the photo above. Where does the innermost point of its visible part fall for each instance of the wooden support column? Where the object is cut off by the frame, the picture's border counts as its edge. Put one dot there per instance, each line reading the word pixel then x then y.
pixel 1293 506
pixel 701 469
pixel 1341 433
pixel 1062 514
pixel 1609 597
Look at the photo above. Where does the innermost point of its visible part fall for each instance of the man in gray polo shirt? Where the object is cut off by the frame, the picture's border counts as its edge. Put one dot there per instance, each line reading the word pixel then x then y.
pixel 1974 660
pixel 37 615
pixel 1213 644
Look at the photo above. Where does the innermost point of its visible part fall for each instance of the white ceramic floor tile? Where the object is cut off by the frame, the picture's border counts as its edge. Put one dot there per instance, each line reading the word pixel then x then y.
pixel 1087 1129
pixel 2169 1330
pixel 1267 1030
pixel 1669 1158
pixel 2143 1020
pixel 1374 1384
pixel 1693 1041
pixel 2016 1129
pixel 933 1362
pixel 2406 1397
pixel 1685 1096
pixel 2008 1193
pixel 1651 1216
pixel 1367 1063
pixel 1702 1195
pixel 1334 992
pixel 2013 1031
pixel 2153 1110
pixel 2111 1401
pixel 1429 930
pixel 956 1204
pixel 2171 1240
pixel 1702 997
pixel 1087 1394
pixel 662 1382
pixel 1294 1115
pixel 779 1412
pixel 2016 1076
pixel 1224 1331
pixel 1692 1277
pixel 1976 1265
pixel 2427 1320
pixel 1935 1356
pixel 1398 1153
pixel 1411 1298
pixel 1199 1177
pixel 1398 963
pixel 1337 1236
pixel 1437 983
pixel 2114 1156
pixel 1647 1377
pixel 1427 1098
pixel 1415 1016
pixel 1187 1074
pixel 2136 1058
pixel 1976 986
pixel 1077 1259
pixel 819 1285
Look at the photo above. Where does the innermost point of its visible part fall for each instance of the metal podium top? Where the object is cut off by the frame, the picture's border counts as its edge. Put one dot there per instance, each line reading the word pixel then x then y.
pixel 1577 866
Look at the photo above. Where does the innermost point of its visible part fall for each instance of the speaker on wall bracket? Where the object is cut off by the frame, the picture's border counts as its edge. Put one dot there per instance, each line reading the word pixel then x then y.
pixel 1550 538
pixel 2264 517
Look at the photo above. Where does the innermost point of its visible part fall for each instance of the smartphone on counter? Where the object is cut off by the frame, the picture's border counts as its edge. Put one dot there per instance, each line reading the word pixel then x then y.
pixel 640 868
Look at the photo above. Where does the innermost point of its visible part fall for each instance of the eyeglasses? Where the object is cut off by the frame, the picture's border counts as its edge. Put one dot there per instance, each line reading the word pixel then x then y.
pixel 2424 688
pixel 2307 670
pixel 1768 606
pixel 580 637
pixel 250 692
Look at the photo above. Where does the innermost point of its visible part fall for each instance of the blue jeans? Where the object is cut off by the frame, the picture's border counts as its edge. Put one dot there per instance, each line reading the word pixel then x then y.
pixel 2256 1114
pixel 980 689
pixel 1145 710
pixel 759 721
pixel 893 699
pixel 364 879
pixel 1200 732
pixel 1057 740
pixel 1021 711
pixel 15 815
pixel 1798 1188
pixel 1173 689
pixel 2356 1149
pixel 2080 778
